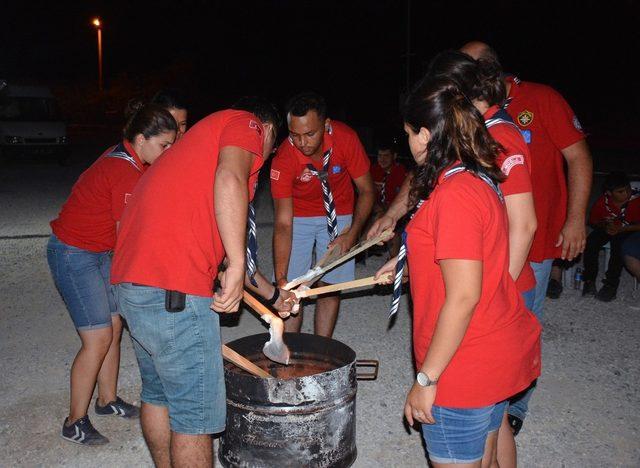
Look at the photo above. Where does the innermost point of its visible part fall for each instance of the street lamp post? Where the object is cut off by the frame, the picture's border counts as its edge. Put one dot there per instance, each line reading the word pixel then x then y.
pixel 98 24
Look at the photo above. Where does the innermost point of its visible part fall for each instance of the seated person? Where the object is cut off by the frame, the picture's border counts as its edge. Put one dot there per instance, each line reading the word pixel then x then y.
pixel 388 175
pixel 614 217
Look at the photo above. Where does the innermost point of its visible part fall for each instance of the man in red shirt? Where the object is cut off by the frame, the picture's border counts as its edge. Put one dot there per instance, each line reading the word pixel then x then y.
pixel 614 217
pixel 312 178
pixel 554 135
pixel 388 176
pixel 187 214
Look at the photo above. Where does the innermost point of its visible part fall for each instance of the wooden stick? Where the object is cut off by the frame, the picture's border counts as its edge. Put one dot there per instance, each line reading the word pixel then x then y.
pixel 342 286
pixel 243 363
pixel 258 306
pixel 361 247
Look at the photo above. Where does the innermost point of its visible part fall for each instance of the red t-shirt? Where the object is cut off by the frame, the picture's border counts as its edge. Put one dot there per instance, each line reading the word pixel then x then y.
pixel 290 177
pixel 548 125
pixel 89 216
pixel 393 183
pixel 514 162
pixel 168 236
pixel 600 213
pixel 500 352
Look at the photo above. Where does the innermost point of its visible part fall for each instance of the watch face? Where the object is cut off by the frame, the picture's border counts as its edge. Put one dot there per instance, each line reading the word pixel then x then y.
pixel 422 379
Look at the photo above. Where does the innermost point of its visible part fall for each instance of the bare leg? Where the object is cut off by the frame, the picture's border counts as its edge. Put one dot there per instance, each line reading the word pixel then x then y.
pixel 108 376
pixel 633 264
pixel 85 368
pixel 327 308
pixel 293 324
pixel 191 451
pixel 490 456
pixel 507 454
pixel 155 428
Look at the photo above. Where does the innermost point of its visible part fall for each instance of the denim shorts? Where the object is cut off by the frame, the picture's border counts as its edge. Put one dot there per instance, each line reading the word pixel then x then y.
pixel 459 435
pixel 83 280
pixel 631 245
pixel 179 356
pixel 310 231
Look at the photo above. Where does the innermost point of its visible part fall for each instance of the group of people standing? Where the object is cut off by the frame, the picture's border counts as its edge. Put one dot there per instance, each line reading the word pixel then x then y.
pixel 487 216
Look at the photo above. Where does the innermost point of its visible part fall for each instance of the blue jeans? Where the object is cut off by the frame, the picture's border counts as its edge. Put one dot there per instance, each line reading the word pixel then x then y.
pixel 83 280
pixel 519 404
pixel 311 230
pixel 179 356
pixel 542 272
pixel 459 435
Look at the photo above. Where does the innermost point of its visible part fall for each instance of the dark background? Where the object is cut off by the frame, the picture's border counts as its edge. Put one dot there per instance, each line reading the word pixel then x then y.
pixel 353 52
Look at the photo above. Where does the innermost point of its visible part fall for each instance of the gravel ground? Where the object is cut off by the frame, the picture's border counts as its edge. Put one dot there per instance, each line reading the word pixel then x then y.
pixel 584 413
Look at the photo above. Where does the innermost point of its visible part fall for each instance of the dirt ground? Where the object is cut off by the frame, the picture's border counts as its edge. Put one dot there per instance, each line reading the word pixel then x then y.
pixel 585 412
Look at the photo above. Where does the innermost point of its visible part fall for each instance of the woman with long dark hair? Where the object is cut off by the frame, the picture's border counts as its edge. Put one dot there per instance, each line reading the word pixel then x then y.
pixel 475 343
pixel 79 256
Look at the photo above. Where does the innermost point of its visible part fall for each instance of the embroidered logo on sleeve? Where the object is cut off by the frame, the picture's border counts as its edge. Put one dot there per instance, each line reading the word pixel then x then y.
pixel 253 124
pixel 511 162
pixel 525 118
pixel 275 175
pixel 126 198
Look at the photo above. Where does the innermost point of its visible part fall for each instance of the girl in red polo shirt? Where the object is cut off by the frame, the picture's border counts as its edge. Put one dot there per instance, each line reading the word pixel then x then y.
pixel 475 343
pixel 79 256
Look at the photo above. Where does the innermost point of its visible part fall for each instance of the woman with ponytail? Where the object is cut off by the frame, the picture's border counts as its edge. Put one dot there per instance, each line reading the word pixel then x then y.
pixel 79 256
pixel 475 343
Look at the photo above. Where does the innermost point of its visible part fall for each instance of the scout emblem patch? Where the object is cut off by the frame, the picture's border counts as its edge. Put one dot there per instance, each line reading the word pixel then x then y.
pixel 525 118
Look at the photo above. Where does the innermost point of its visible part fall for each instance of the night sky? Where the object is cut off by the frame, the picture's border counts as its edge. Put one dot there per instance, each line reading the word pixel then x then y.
pixel 350 51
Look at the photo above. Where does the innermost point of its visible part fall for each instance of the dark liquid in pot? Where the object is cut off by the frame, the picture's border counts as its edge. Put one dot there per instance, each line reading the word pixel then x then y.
pixel 298 366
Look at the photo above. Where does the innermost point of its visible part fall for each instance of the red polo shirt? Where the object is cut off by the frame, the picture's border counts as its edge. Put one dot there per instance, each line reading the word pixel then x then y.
pixel 500 352
pixel 169 236
pixel 89 216
pixel 290 177
pixel 548 125
pixel 393 183
pixel 600 213
pixel 514 162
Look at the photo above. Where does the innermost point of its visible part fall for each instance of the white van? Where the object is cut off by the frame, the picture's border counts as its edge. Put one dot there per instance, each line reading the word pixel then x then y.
pixel 30 123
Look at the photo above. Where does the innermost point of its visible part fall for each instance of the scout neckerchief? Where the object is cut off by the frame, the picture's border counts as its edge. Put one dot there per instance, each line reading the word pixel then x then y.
pixel 635 193
pixel 327 196
pixel 120 151
pixel 402 254
pixel 252 245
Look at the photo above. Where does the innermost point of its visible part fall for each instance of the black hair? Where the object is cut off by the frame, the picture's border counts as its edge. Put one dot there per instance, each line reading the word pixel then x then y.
pixel 388 144
pixel 615 180
pixel 457 133
pixel 261 108
pixel 304 102
pixel 477 79
pixel 147 119
pixel 170 98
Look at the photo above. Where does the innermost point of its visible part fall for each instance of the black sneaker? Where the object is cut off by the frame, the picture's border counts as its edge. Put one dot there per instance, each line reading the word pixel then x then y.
pixel 554 289
pixel 515 423
pixel 82 432
pixel 119 407
pixel 607 293
pixel 589 289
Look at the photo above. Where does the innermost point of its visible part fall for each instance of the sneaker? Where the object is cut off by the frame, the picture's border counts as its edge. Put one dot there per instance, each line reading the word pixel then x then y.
pixel 554 289
pixel 82 432
pixel 589 289
pixel 607 293
pixel 119 407
pixel 515 423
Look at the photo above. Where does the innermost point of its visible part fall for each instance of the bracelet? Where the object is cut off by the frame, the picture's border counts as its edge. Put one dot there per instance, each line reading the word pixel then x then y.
pixel 275 297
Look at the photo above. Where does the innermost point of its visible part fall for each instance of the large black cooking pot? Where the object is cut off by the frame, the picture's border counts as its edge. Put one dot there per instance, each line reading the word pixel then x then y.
pixel 303 417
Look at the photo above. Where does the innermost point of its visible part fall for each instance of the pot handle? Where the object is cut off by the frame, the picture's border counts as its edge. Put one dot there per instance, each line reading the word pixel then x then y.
pixel 372 364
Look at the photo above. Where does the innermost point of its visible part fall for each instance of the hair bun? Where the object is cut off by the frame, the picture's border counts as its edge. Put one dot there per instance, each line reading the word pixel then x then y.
pixel 133 107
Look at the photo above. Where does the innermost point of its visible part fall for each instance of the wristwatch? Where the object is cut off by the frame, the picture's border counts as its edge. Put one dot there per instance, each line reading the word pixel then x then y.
pixel 424 380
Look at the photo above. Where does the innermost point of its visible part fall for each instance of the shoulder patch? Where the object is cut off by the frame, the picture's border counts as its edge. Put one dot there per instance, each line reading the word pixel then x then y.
pixel 275 175
pixel 511 162
pixel 525 118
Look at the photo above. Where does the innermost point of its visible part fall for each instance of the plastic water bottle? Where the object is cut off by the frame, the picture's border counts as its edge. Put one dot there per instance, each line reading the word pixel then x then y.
pixel 577 279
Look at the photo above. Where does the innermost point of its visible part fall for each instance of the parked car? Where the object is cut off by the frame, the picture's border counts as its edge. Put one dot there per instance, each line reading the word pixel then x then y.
pixel 31 123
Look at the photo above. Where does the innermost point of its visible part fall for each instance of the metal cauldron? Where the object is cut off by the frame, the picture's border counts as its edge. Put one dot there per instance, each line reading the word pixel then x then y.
pixel 303 417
